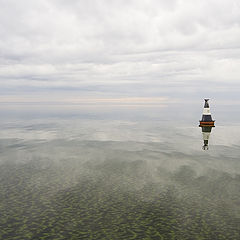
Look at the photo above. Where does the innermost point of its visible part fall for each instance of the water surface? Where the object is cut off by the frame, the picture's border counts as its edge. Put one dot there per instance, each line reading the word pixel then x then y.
pixel 95 172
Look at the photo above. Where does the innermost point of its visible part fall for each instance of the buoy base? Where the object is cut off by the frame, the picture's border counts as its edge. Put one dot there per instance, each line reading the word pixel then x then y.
pixel 206 124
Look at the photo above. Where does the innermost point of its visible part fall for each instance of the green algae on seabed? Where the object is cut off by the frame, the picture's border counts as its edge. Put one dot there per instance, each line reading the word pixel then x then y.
pixel 96 208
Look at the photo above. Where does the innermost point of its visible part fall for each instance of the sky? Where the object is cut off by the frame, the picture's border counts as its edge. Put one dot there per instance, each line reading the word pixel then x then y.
pixel 155 51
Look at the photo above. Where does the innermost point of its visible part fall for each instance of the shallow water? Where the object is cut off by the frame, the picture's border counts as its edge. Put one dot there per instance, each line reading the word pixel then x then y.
pixel 94 172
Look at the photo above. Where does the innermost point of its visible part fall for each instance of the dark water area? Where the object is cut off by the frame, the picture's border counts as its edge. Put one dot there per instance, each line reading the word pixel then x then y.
pixel 118 172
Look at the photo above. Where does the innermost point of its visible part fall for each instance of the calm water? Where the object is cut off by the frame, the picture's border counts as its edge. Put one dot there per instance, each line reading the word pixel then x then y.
pixel 94 172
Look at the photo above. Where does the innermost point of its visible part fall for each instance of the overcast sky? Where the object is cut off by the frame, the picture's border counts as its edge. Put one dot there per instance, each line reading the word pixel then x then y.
pixel 52 50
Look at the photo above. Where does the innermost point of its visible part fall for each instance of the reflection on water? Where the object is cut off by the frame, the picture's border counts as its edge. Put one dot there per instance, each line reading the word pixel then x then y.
pixel 117 178
pixel 206 131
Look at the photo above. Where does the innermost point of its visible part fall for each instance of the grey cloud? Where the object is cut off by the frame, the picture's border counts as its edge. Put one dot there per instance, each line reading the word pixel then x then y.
pixel 72 44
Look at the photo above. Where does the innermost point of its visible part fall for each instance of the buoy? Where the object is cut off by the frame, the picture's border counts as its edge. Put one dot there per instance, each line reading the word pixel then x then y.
pixel 206 124
pixel 206 116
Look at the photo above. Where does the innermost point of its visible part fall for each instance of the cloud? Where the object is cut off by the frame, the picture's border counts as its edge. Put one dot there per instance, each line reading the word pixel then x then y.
pixel 117 44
